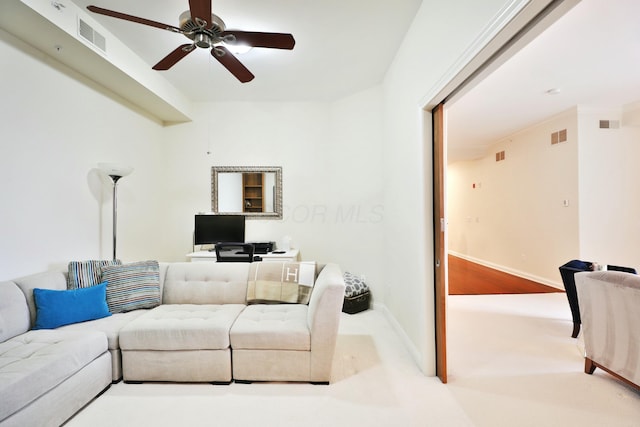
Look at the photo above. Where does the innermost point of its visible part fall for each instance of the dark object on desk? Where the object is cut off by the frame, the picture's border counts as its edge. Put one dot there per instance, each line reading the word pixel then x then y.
pixel 567 272
pixel 263 247
pixel 234 252
pixel 279 252
pixel 357 296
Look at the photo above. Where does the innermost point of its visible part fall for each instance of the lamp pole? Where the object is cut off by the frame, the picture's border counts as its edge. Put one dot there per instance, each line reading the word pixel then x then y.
pixel 115 179
pixel 115 172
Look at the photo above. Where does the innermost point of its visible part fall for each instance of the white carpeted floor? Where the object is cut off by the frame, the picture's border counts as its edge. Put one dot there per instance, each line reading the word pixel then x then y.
pixel 512 362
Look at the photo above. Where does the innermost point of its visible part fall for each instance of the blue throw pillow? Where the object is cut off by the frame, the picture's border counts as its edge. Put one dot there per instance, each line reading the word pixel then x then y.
pixel 57 308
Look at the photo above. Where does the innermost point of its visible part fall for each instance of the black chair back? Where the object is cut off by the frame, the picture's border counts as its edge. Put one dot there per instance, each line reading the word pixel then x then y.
pixel 623 269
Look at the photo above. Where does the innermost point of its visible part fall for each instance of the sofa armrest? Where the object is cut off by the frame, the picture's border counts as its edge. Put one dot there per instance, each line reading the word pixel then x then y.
pixel 610 311
pixel 56 280
pixel 325 308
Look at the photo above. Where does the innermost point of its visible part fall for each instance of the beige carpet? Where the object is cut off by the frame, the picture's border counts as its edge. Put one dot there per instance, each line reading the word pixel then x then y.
pixel 512 362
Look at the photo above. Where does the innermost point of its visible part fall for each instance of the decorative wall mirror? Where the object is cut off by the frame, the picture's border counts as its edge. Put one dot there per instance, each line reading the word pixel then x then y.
pixel 253 191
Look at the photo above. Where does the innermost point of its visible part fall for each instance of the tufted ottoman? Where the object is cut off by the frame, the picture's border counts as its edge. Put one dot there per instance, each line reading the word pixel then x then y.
pixel 272 343
pixel 179 343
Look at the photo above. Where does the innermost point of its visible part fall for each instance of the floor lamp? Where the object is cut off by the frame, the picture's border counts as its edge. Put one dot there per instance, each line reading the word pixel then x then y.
pixel 115 172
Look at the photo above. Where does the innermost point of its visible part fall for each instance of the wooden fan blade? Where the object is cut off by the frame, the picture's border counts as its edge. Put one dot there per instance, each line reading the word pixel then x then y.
pixel 256 39
pixel 201 9
pixel 175 56
pixel 232 64
pixel 132 18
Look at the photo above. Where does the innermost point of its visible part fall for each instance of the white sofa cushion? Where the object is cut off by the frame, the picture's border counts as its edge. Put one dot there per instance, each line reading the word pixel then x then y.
pixel 269 327
pixel 14 312
pixel 47 280
pixel 37 361
pixel 206 283
pixel 181 327
pixel 110 326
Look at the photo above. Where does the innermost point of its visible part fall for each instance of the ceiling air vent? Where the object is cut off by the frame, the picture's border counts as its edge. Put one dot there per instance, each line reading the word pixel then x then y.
pixel 609 124
pixel 92 36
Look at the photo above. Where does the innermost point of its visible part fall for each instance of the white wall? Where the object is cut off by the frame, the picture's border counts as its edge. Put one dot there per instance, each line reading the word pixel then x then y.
pixel 331 167
pixel 55 130
pixel 609 196
pixel 439 35
pixel 515 219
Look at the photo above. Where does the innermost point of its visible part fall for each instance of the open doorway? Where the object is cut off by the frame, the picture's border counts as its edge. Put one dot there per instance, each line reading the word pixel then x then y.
pixel 594 82
pixel 529 22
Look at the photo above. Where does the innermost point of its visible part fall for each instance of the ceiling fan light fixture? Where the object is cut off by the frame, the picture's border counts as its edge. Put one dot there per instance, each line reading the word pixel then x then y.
pixel 202 40
pixel 237 49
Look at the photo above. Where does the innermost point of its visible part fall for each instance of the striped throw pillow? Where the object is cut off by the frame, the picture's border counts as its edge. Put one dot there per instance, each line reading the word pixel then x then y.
pixel 84 274
pixel 132 286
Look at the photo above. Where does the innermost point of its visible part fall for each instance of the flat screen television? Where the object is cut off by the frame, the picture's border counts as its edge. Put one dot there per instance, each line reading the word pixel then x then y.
pixel 211 229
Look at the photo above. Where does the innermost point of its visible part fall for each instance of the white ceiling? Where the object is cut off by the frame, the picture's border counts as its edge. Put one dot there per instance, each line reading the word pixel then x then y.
pixel 591 54
pixel 342 46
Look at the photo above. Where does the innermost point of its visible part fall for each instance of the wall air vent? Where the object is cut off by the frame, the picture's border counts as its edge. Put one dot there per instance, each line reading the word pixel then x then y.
pixel 558 137
pixel 609 124
pixel 92 36
pixel 500 156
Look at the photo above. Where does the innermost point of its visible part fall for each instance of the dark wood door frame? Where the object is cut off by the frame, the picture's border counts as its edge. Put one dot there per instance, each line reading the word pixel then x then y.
pixel 439 236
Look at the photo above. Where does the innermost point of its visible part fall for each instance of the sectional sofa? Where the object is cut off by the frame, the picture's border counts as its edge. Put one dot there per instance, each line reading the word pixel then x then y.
pixel 212 322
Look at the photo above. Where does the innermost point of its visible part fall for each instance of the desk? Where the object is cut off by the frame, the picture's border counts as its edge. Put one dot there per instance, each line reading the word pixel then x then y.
pixel 210 256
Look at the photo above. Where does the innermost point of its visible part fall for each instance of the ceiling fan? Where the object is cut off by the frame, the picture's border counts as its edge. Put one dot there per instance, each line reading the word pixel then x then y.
pixel 208 31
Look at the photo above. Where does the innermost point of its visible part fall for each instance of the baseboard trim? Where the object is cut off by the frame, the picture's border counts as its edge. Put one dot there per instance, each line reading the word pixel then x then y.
pixel 408 344
pixel 508 270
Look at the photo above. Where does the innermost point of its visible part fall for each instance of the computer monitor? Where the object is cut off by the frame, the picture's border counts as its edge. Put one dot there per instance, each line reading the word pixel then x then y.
pixel 212 229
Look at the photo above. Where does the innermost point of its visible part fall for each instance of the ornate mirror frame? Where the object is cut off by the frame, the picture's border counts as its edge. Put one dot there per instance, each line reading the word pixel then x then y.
pixel 277 202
